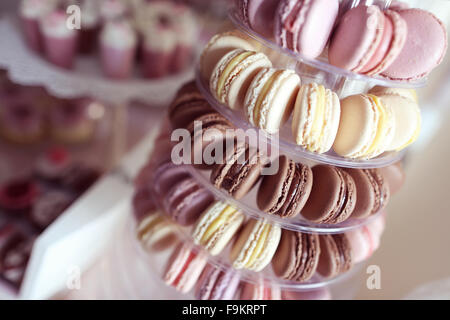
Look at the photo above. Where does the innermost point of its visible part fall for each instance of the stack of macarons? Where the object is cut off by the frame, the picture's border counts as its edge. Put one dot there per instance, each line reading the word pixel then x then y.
pixel 399 43
pixel 282 254
pixel 320 121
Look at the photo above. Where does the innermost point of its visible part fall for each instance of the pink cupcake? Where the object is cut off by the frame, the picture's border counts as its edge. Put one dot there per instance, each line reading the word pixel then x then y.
pixel 21 122
pixel 187 36
pixel 118 48
pixel 90 26
pixel 157 51
pixel 112 10
pixel 60 42
pixel 70 121
pixel 30 12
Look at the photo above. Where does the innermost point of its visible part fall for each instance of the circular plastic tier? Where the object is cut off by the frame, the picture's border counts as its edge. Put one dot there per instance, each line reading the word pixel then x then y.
pixel 321 66
pixel 248 206
pixel 222 263
pixel 285 144
pixel 86 79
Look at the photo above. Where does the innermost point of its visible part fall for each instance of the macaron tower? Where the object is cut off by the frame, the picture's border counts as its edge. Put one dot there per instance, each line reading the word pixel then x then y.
pixel 300 119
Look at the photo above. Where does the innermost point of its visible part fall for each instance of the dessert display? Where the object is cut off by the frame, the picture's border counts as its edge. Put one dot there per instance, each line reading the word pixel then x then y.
pixel 157 36
pixel 29 115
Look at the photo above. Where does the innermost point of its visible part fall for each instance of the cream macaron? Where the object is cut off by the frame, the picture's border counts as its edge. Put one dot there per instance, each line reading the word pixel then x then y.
pixel 255 245
pixel 366 128
pixel 316 117
pixel 271 97
pixel 404 105
pixel 217 226
pixel 233 74
pixel 218 46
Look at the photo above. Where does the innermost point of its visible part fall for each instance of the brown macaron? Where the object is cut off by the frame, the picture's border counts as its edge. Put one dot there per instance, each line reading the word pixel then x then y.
pixel 215 128
pixel 297 256
pixel 285 193
pixel 239 171
pixel 372 192
pixel 187 105
pixel 335 255
pixel 333 195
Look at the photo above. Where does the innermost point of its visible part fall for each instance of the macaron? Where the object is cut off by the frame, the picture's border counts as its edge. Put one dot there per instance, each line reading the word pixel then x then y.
pixel 186 201
pixel 297 256
pixel 364 241
pixel 255 245
pixel 372 192
pixel 184 267
pixel 285 193
pixel 217 284
pixel 335 255
pixel 165 176
pixel 156 232
pixel 367 127
pixel 271 97
pixel 259 15
pixel 406 114
pixel 259 289
pixel 187 105
pixel 367 40
pixel 215 228
pixel 333 195
pixel 424 48
pixel 395 176
pixel 218 46
pixel 316 118
pixel 233 74
pixel 208 131
pixel 239 170
pixel 409 94
pixel 305 26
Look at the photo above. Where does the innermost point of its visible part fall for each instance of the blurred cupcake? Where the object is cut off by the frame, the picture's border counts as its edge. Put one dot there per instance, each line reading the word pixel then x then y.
pixel 90 26
pixel 70 121
pixel 30 12
pixel 21 122
pixel 18 196
pixel 118 48
pixel 60 42
pixel 168 31
pixel 157 52
pixel 187 36
pixel 112 10
pixel 51 166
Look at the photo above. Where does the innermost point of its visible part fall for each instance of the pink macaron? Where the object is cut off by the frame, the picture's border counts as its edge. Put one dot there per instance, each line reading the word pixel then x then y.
pixel 367 40
pixel 425 47
pixel 184 267
pixel 216 284
pixel 365 240
pixel 305 26
pixel 259 15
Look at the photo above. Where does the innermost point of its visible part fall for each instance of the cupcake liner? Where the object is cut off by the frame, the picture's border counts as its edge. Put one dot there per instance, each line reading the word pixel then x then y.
pixel 156 64
pixel 117 63
pixel 181 58
pixel 32 33
pixel 61 51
